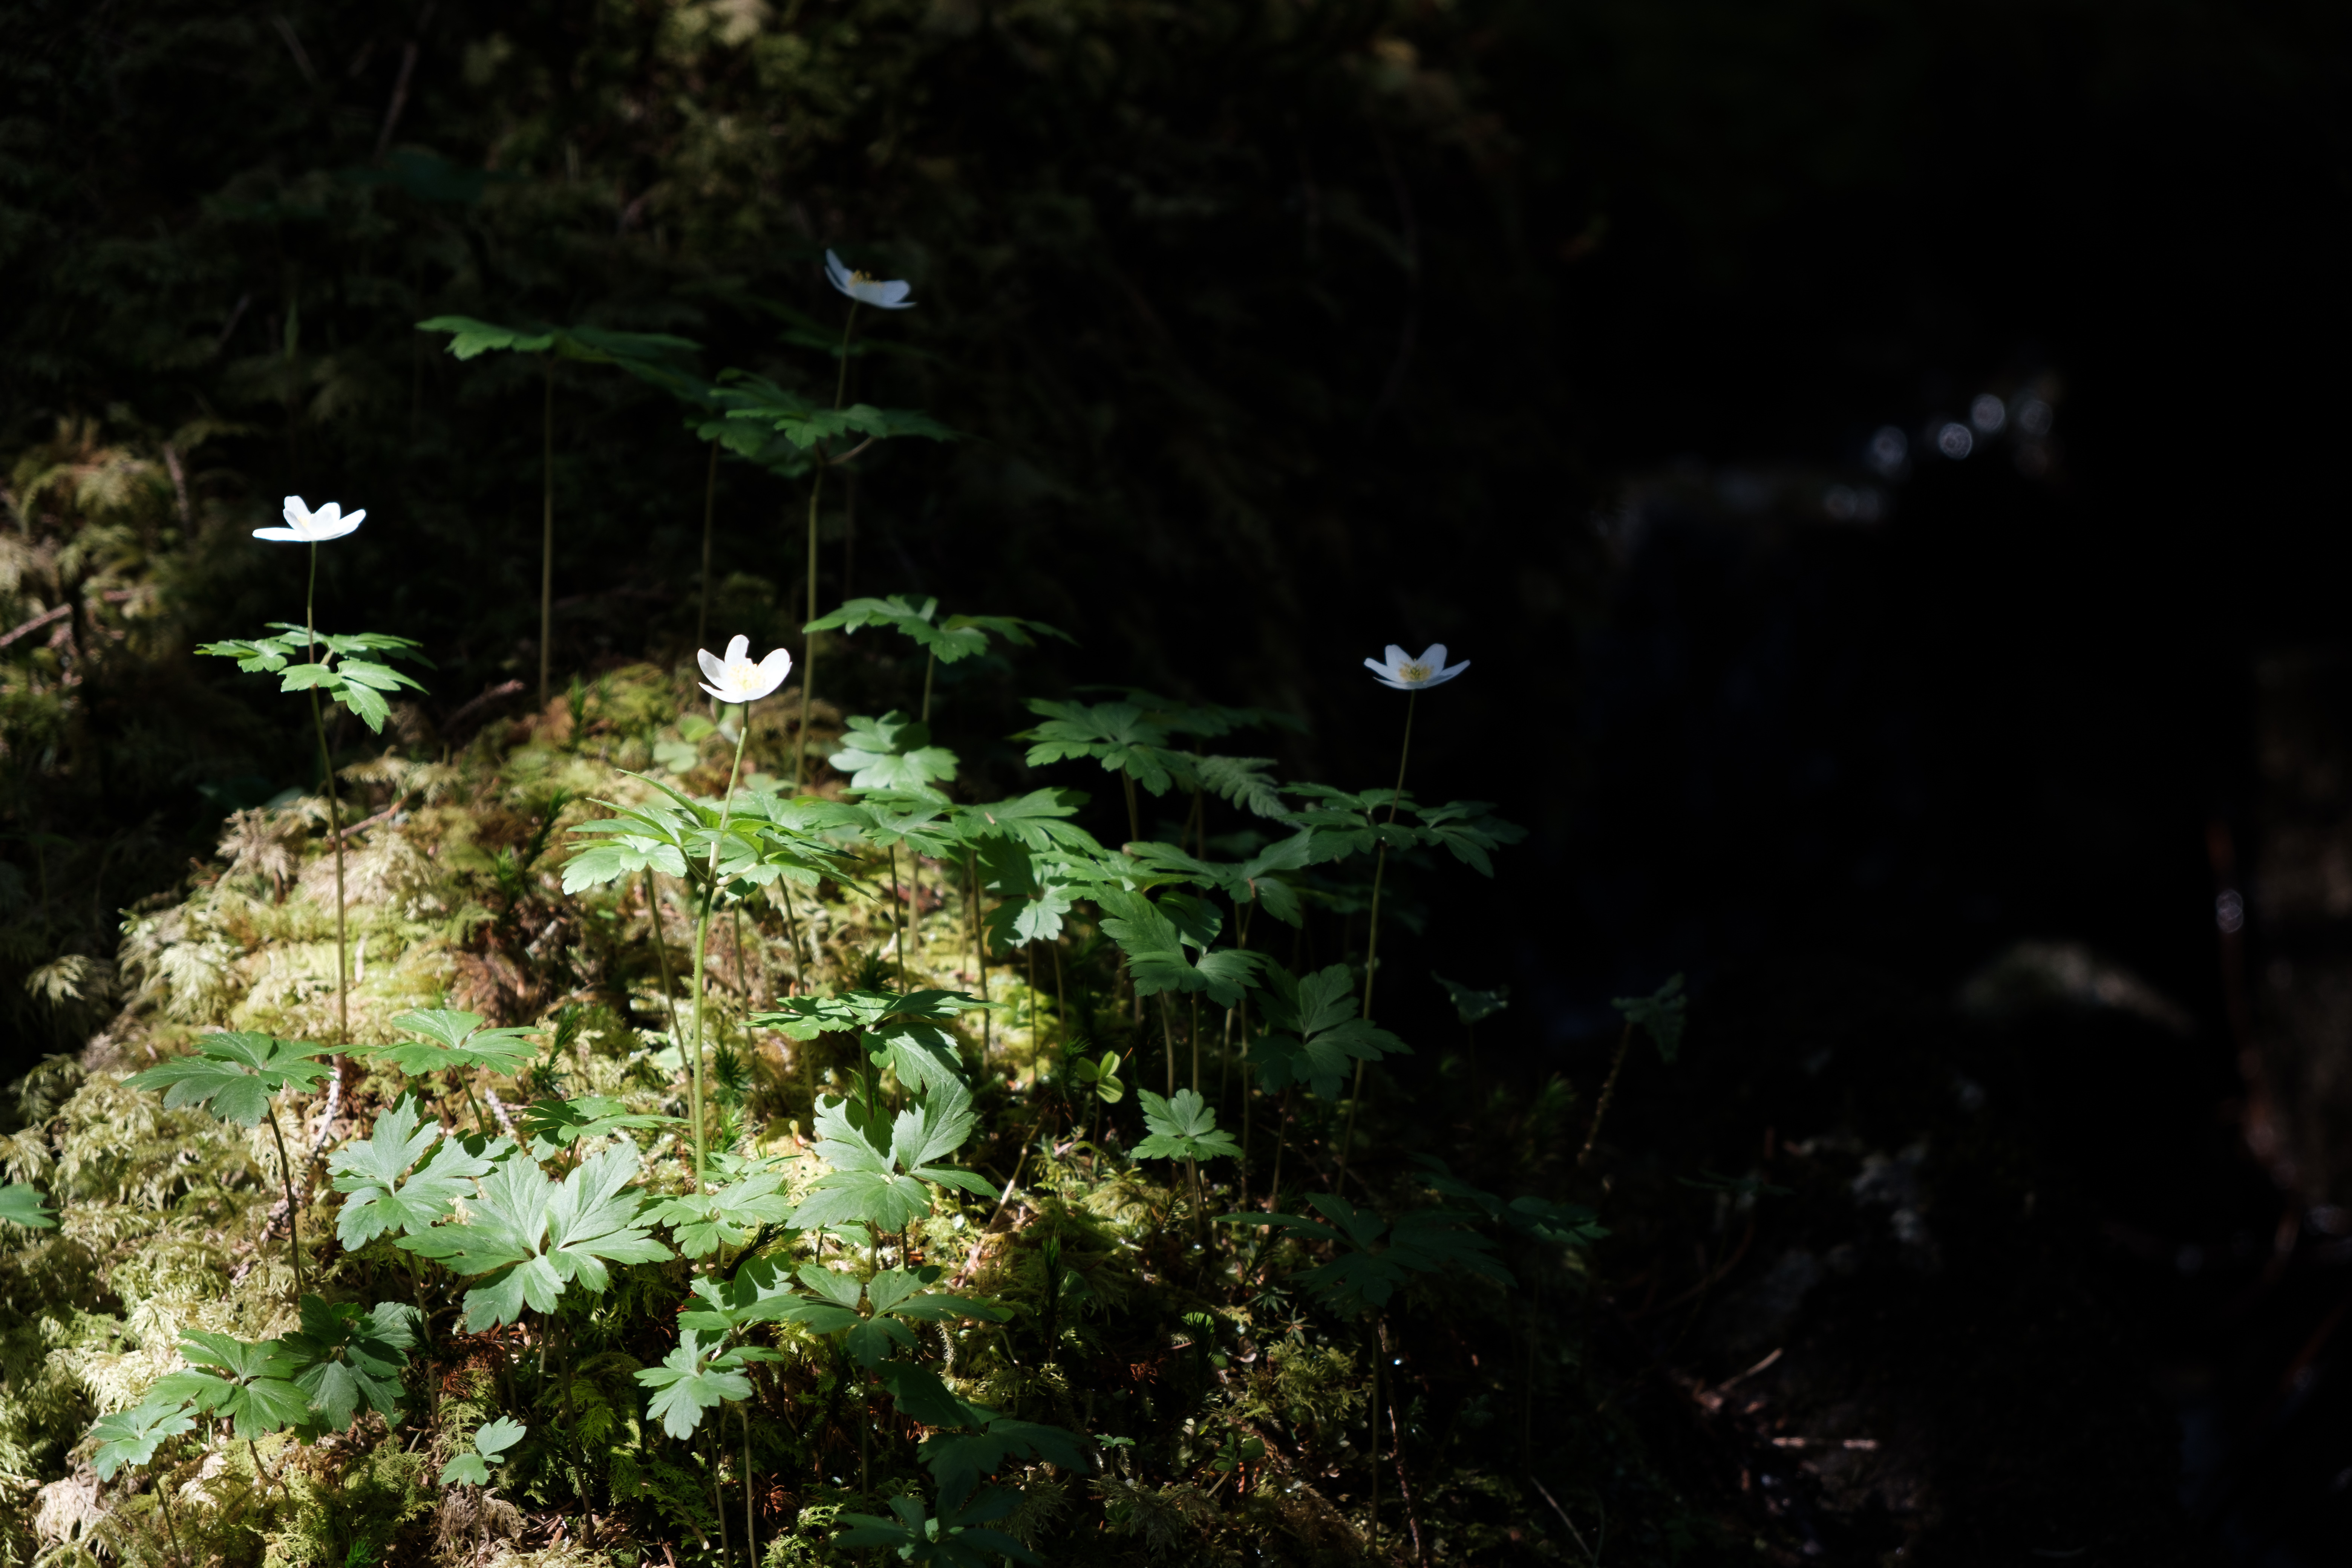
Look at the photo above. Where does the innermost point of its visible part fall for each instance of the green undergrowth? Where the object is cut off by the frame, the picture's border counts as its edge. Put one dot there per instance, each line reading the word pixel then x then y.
pixel 960 1283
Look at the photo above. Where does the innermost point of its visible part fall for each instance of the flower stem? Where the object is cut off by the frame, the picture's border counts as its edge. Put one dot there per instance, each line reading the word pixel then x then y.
pixel 932 663
pixel 547 533
pixel 709 508
pixel 1608 1093
pixel 702 937
pixel 808 648
pixel 334 809
pixel 293 1220
pixel 1373 937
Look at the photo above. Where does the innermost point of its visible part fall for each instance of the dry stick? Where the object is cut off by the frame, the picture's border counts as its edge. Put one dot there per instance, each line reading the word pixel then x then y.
pixel 1374 1445
pixel 547 534
pixel 1590 1555
pixel 709 508
pixel 1372 942
pixel 1608 1089
pixel 1396 1453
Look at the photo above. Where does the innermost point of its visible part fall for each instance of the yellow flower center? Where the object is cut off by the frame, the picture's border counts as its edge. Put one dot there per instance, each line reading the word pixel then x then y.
pixel 864 278
pixel 1412 672
pixel 741 672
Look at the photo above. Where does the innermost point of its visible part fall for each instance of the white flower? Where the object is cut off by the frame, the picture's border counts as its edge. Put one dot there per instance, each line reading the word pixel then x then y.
pixel 1413 674
pixel 866 289
pixel 736 678
pixel 304 526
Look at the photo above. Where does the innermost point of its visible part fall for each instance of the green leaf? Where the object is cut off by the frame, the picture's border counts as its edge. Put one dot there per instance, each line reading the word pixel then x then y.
pixel 473 337
pixel 448 1041
pixel 892 752
pixel 806 1018
pixel 22 1204
pixel 1244 782
pixel 369 1172
pixel 1154 944
pixel 491 1440
pixel 957 1539
pixel 1313 1035
pixel 346 1355
pixel 1183 1128
pixel 1369 1268
pixel 250 1384
pixel 702 1223
pixel 1473 1006
pixel 131 1436
pixel 237 1074
pixel 534 1237
pixel 1115 734
pixel 867 1184
pixel 554 1125
pixel 691 1380
pixel 1659 1015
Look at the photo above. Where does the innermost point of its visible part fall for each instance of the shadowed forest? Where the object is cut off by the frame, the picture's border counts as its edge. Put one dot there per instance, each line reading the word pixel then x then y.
pixel 812 943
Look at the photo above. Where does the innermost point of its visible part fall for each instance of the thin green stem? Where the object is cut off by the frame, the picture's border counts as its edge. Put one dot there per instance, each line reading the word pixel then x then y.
pixel 702 938
pixel 808 646
pixel 546 534
pixel 293 1218
pixel 661 951
pixel 710 512
pixel 334 808
pixel 750 1527
pixel 1373 937
pixel 897 918
pixel 929 667
pixel 1608 1093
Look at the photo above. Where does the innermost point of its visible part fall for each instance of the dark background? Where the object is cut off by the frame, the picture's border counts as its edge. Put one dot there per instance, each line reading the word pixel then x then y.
pixel 1284 331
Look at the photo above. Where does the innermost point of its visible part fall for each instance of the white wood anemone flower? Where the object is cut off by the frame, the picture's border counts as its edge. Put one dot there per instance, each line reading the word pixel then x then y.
pixel 889 294
pixel 1413 674
pixel 304 526
pixel 736 678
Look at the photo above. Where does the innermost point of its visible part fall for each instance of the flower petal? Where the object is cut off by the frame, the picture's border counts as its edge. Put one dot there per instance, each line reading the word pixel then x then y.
pixel 772 670
pixel 1395 657
pixel 283 535
pixel 1395 685
pixel 328 515
pixel 296 513
pixel 739 649
pixel 711 664
pixel 722 696
pixel 1450 674
pixel 892 296
pixel 1377 667
pixel 836 272
pixel 1433 656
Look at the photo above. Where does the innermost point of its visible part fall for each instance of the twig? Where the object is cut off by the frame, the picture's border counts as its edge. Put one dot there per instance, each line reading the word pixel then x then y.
pixel 1608 1092
pixel 37 623
pixel 1572 1530
pixel 400 86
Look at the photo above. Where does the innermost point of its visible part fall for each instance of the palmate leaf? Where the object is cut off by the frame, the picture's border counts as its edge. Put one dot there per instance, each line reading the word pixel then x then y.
pixel 1116 734
pixel 237 1074
pixel 131 1436
pixel 884 1187
pixel 356 683
pixel 1313 1035
pixel 1035 895
pixel 1561 1224
pixel 346 1356
pixel 555 1125
pixel 22 1204
pixel 491 1441
pixel 762 403
pixel 893 1298
pixel 443 1040
pixel 958 1538
pixel 702 1223
pixel 1154 938
pixel 1659 1015
pixel 806 1018
pixel 369 1172
pixel 697 1376
pixel 250 1384
pixel 533 1237
pixel 918 617
pixel 892 752
pixel 1473 1006
pixel 960 1460
pixel 1244 782
pixel 1369 1268
pixel 1038 821
pixel 1183 1128
pixel 1207 719
pixel 1245 881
